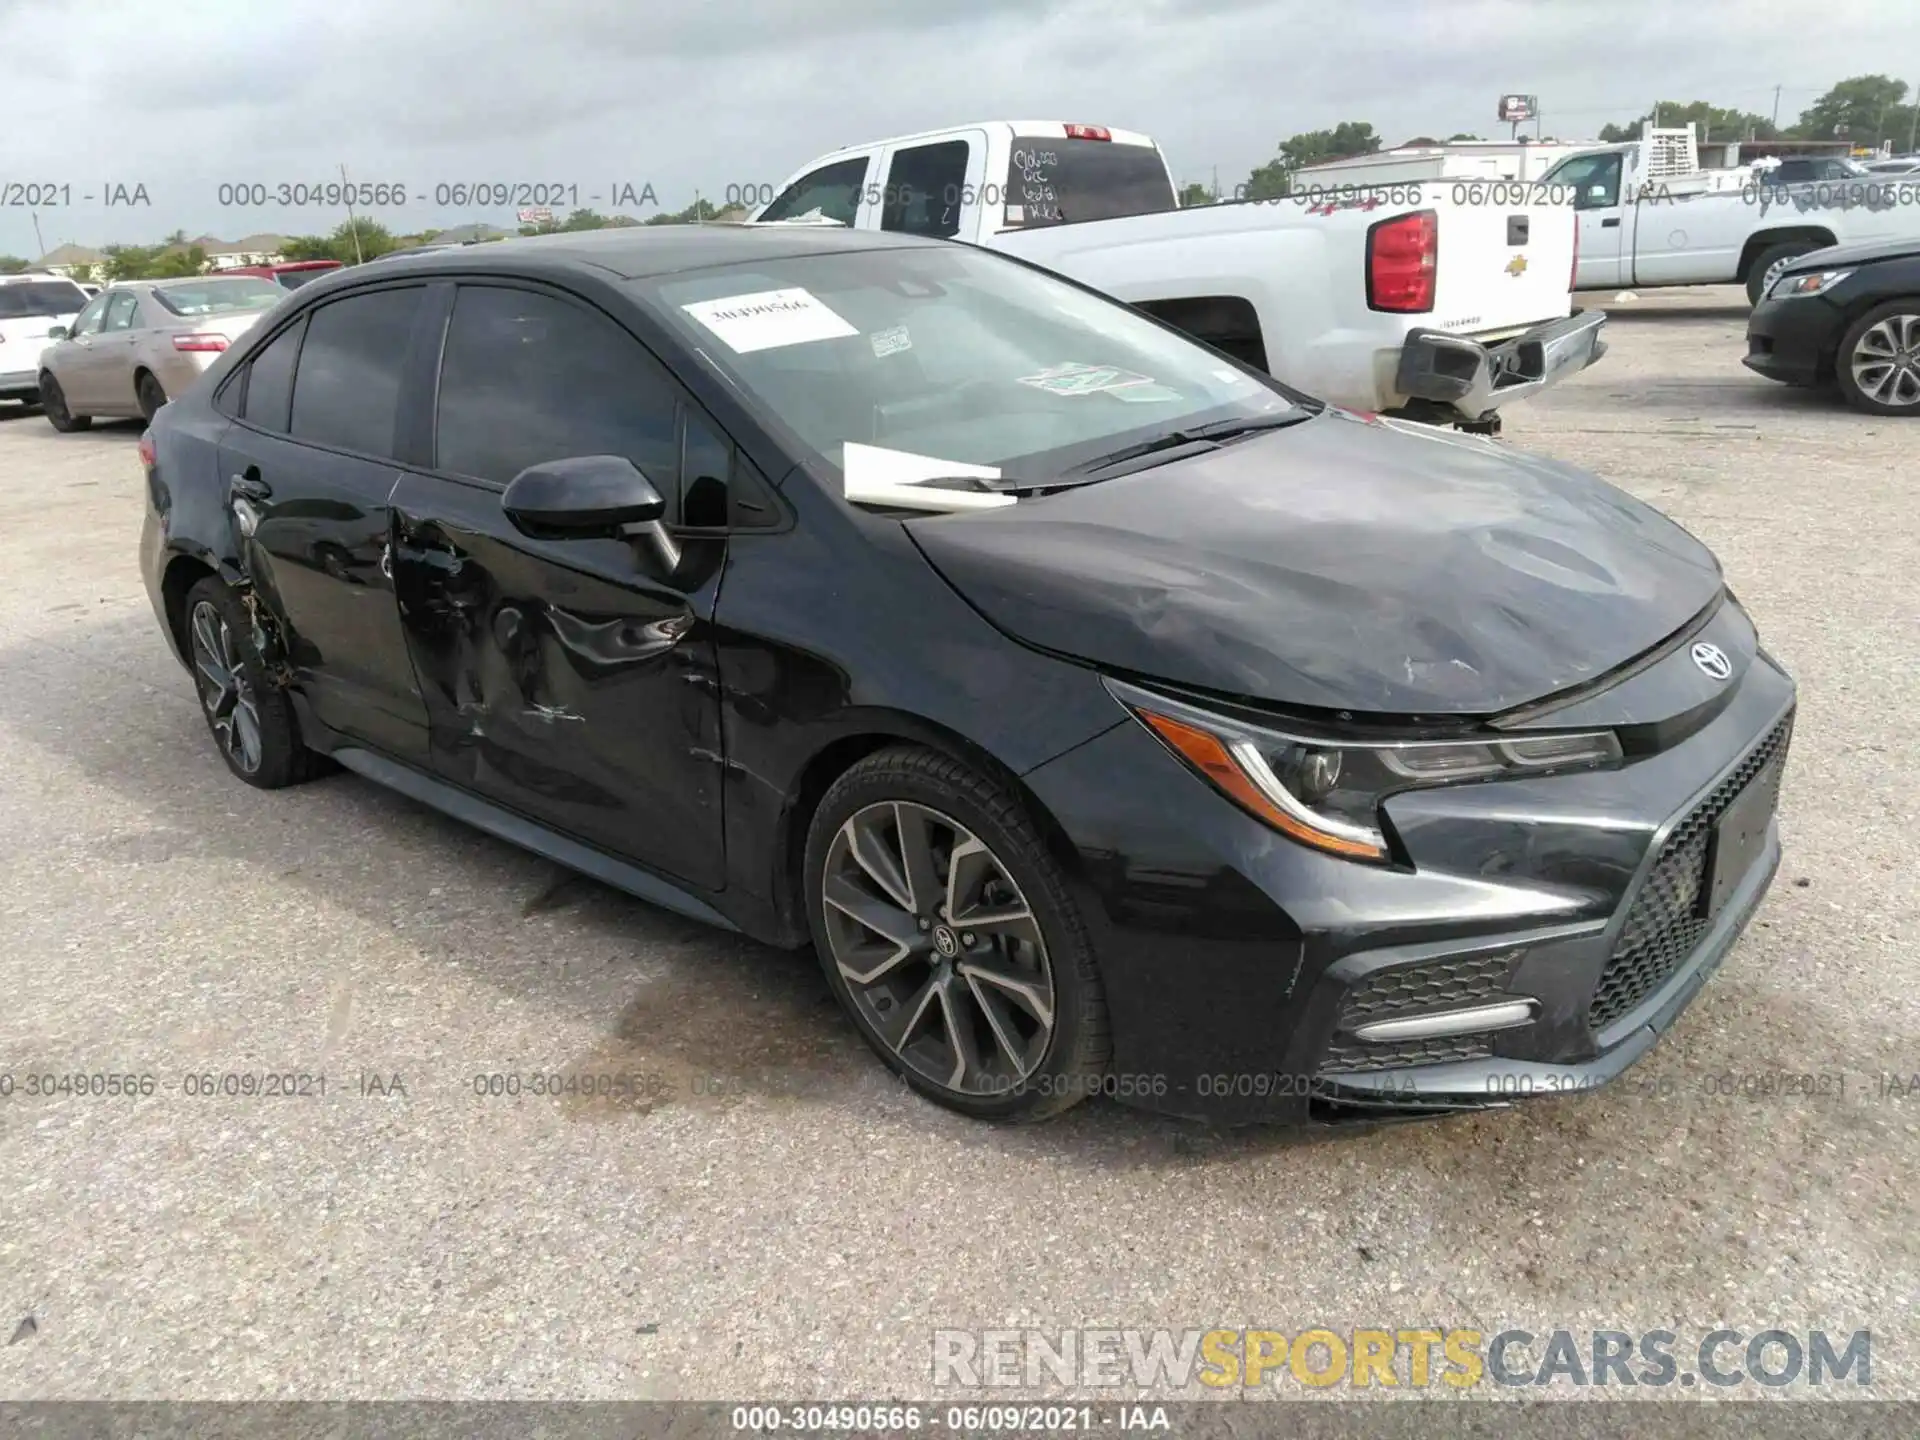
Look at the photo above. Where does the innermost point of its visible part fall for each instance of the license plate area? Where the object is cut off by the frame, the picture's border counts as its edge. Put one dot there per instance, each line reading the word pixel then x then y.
pixel 1738 836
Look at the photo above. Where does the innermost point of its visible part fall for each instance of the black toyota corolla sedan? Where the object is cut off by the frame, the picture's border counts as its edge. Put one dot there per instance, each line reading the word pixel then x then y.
pixel 1109 717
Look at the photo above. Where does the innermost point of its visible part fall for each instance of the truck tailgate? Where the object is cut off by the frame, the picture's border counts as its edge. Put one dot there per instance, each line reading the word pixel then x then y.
pixel 1502 267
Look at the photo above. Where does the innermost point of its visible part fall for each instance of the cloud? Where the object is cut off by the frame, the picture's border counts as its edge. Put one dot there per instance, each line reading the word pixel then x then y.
pixel 681 95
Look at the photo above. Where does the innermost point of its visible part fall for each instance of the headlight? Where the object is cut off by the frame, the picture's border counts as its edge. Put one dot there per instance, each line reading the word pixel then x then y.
pixel 1326 792
pixel 1806 284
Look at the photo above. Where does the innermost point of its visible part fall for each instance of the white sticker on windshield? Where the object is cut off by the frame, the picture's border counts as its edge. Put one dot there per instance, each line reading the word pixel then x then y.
pixel 890 342
pixel 768 319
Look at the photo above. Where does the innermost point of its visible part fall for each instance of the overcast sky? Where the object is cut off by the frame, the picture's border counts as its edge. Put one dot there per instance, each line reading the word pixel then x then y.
pixel 184 96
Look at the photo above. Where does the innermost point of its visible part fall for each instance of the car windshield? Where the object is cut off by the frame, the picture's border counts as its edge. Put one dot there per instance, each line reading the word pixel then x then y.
pixel 30 299
pixel 219 297
pixel 950 356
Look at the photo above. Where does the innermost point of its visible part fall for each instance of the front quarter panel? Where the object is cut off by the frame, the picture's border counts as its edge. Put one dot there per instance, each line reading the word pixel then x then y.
pixel 837 631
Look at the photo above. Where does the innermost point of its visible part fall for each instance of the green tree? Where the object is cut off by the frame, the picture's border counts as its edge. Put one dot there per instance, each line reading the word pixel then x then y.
pixel 131 262
pixel 308 247
pixel 700 210
pixel 1462 135
pixel 1195 194
pixel 82 273
pixel 12 264
pixel 1865 110
pixel 1275 178
pixel 371 236
pixel 177 261
pixel 1710 123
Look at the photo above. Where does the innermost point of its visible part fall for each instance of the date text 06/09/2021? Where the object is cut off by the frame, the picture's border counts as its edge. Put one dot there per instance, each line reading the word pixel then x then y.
pixel 460 194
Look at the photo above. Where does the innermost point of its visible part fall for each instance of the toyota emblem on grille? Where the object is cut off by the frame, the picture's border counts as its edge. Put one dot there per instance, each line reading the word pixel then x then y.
pixel 1712 661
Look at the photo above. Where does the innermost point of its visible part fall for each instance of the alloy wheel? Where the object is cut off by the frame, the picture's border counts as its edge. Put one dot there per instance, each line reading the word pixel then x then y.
pixel 1886 361
pixel 225 692
pixel 938 948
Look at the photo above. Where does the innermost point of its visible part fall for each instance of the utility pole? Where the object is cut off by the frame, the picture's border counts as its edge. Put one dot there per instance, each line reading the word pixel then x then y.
pixel 353 221
pixel 1776 107
pixel 36 234
pixel 1913 130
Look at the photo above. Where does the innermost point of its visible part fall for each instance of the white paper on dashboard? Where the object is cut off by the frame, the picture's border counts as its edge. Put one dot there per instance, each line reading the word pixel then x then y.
pixel 768 319
pixel 876 475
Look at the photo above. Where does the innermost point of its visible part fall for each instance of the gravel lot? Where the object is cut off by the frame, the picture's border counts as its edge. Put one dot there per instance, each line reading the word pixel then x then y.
pixel 795 1225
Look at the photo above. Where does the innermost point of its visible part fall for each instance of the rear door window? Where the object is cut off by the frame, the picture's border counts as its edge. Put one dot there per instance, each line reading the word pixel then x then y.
pixel 925 189
pixel 120 311
pixel 270 381
pixel 1052 180
pixel 346 393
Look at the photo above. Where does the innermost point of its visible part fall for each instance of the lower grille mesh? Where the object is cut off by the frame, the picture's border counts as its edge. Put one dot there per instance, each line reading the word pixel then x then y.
pixel 1664 924
pixel 1456 983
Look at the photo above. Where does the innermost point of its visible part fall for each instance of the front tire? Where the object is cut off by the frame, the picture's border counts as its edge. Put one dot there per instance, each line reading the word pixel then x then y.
pixel 250 718
pixel 1878 361
pixel 949 935
pixel 53 404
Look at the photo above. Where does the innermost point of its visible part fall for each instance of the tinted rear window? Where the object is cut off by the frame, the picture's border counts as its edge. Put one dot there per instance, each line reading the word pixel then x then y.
pixel 346 391
pixel 30 298
pixel 294 279
pixel 1053 181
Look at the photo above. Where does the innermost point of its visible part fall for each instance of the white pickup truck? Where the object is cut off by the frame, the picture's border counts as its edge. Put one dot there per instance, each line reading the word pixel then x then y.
pixel 1439 302
pixel 1649 216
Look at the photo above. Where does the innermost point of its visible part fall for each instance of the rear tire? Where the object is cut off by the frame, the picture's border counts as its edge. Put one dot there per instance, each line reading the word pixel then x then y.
pixel 952 939
pixel 53 403
pixel 1877 364
pixel 150 393
pixel 250 718
pixel 1761 277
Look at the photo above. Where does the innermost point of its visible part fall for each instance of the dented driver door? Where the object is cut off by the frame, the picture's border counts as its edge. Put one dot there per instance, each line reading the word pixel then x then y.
pixel 563 678
pixel 570 679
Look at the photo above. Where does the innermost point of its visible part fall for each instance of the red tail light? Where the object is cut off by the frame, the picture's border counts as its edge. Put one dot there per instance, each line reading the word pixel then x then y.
pixel 1088 132
pixel 146 450
pixel 199 342
pixel 1403 255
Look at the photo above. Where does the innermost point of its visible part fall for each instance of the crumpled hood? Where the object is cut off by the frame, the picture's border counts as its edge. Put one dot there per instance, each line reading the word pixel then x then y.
pixel 1338 564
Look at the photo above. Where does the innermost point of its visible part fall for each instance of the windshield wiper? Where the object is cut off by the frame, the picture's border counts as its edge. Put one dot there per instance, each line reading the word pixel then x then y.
pixel 1214 431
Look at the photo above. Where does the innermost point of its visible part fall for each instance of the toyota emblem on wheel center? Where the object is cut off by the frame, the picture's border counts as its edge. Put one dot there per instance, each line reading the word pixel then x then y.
pixel 1712 661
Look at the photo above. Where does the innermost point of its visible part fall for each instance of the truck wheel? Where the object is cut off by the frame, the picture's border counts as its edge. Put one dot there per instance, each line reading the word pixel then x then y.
pixel 1878 365
pixel 1770 262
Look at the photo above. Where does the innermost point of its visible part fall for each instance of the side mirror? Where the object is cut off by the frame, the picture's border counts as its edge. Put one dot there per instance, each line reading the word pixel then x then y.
pixel 589 497
pixel 58 332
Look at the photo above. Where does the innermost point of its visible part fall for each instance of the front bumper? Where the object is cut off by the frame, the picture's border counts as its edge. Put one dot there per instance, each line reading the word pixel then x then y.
pixel 1794 341
pixel 1240 967
pixel 19 382
pixel 1473 379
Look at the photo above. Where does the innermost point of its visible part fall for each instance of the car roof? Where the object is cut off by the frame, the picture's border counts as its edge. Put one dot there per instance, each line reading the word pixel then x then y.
pixel 635 251
pixel 41 275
